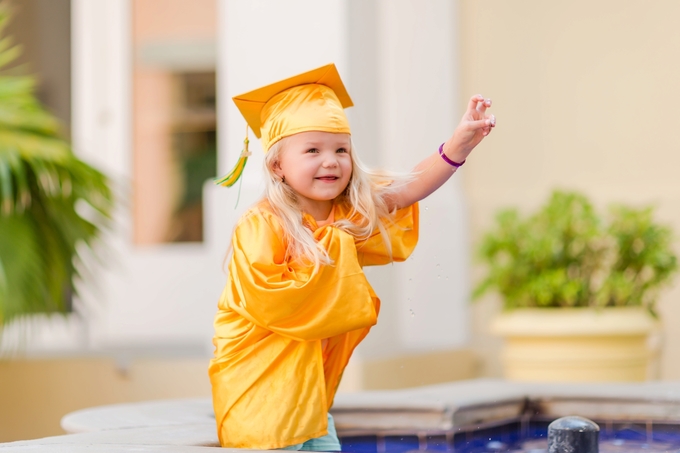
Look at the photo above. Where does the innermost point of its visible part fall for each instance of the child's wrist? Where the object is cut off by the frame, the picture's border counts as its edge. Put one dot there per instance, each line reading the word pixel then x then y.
pixel 454 161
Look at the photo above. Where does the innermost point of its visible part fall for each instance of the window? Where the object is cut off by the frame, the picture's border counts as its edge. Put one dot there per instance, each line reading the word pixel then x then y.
pixel 174 117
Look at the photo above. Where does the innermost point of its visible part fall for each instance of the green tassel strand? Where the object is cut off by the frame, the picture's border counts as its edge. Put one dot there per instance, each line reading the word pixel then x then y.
pixel 234 175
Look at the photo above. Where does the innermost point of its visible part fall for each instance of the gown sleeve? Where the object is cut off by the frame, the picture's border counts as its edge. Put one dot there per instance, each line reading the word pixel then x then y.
pixel 287 297
pixel 402 230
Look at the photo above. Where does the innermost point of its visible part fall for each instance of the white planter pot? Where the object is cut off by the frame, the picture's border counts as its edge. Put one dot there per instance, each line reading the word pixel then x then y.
pixel 576 344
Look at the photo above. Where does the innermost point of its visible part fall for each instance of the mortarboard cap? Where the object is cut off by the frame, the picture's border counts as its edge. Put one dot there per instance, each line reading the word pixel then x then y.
pixel 311 101
pixel 303 102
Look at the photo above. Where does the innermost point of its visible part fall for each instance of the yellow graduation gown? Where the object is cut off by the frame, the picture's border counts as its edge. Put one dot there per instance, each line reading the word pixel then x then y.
pixel 271 384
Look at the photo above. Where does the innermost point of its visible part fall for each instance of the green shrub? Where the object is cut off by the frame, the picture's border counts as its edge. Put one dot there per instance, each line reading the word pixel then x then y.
pixel 564 255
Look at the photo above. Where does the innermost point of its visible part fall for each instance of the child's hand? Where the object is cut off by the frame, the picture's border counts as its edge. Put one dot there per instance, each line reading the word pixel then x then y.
pixel 474 126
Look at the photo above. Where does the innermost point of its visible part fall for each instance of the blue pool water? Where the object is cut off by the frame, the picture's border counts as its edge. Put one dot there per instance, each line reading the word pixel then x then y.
pixel 530 438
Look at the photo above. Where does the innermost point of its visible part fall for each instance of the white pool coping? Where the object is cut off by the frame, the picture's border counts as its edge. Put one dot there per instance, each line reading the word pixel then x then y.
pixel 188 425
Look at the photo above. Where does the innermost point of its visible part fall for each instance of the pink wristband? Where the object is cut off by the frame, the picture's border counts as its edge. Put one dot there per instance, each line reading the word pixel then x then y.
pixel 446 158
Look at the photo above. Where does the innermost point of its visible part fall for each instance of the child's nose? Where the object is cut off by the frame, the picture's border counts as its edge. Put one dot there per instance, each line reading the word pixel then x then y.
pixel 330 161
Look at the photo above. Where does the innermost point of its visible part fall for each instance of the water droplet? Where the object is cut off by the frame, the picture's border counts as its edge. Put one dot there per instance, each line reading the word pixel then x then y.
pixel 447 278
pixel 412 313
pixel 437 264
pixel 410 279
pixel 439 276
pixel 426 208
pixel 496 445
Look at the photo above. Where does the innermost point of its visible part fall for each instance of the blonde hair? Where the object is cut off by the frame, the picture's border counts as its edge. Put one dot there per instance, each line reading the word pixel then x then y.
pixel 367 193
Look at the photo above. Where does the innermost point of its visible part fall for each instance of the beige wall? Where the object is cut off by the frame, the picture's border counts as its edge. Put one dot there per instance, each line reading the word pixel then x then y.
pixel 416 370
pixel 586 94
pixel 36 393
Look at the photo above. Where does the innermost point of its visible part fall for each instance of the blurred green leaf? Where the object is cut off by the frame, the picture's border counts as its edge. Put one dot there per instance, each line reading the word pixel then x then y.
pixel 41 183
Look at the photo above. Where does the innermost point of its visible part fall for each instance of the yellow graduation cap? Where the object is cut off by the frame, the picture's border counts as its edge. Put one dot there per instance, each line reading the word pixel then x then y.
pixel 312 101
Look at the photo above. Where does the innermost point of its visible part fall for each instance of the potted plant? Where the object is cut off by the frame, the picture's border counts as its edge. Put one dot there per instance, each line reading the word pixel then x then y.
pixel 52 205
pixel 578 289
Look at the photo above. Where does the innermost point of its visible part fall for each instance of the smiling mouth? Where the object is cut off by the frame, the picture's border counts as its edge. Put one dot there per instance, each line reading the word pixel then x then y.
pixel 327 178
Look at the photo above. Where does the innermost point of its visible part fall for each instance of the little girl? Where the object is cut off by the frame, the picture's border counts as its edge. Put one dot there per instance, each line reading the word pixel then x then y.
pixel 297 302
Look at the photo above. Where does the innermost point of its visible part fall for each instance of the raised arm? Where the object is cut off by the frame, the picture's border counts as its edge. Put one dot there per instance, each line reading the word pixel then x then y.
pixel 434 171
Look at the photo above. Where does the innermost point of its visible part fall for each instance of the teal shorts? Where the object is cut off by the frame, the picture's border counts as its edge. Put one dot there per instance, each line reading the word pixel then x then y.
pixel 329 442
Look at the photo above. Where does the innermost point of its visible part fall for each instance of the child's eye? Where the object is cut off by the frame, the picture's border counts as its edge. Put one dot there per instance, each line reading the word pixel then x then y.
pixel 341 150
pixel 312 150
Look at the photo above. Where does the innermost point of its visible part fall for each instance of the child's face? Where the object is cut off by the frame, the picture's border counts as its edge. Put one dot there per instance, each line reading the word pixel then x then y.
pixel 317 165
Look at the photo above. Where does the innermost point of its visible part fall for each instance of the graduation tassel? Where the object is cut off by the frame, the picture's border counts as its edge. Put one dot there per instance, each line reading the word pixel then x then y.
pixel 234 175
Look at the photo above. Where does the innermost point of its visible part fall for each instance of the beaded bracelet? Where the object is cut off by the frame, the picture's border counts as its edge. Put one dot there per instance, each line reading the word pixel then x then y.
pixel 446 158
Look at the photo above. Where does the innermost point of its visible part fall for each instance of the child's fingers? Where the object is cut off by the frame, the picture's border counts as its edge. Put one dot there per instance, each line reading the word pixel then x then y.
pixel 474 101
pixel 478 104
pixel 481 124
pixel 482 106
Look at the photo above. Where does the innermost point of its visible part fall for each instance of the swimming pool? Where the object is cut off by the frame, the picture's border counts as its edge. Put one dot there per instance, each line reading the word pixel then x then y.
pixel 520 437
pixel 483 418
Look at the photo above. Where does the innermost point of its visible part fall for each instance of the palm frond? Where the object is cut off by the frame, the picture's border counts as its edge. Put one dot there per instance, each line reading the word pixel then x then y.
pixel 41 184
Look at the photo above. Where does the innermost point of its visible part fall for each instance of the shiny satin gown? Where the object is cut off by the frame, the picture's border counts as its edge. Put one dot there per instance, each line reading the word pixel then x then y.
pixel 283 334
